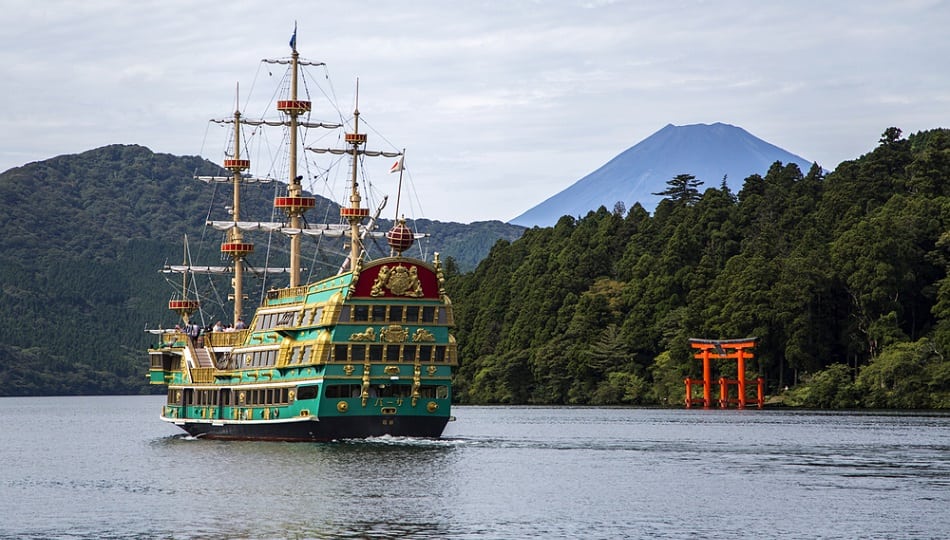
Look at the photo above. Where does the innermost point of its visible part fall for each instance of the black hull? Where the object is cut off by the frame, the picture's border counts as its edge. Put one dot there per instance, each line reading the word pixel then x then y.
pixel 324 430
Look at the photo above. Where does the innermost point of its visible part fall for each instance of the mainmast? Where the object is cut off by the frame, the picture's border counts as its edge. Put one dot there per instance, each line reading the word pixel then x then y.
pixel 235 247
pixel 294 204
pixel 355 213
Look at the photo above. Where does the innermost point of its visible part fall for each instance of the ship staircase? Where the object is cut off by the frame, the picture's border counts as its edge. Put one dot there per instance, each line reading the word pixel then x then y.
pixel 200 363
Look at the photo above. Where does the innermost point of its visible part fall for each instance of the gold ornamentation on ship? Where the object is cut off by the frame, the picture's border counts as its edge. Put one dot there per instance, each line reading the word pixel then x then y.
pixel 393 333
pixel 399 280
pixel 368 335
pixel 391 370
pixel 348 369
pixel 431 370
pixel 421 334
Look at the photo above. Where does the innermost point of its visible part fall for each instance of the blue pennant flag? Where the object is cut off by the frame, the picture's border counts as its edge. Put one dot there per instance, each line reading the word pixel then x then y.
pixel 293 39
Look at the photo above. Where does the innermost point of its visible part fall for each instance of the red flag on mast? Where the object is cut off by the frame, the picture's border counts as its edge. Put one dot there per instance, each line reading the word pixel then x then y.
pixel 397 166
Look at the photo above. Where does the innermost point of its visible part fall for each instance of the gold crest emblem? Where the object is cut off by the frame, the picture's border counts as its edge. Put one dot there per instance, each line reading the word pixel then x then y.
pixel 399 280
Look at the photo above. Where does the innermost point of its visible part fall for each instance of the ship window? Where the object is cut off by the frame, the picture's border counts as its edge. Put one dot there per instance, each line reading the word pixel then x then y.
pixel 443 316
pixel 317 315
pixel 442 392
pixel 292 357
pixel 360 313
pixel 440 353
pixel 286 319
pixel 408 353
pixel 305 358
pixel 270 395
pixel 339 353
pixel 428 314
pixel 392 353
pixel 394 390
pixel 412 314
pixel 379 313
pixel 425 353
pixel 345 314
pixel 375 353
pixel 358 353
pixel 307 392
pixel 342 390
pixel 395 313
pixel 271 357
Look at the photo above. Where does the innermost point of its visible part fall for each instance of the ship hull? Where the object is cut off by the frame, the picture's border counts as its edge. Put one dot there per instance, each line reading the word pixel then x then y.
pixel 328 429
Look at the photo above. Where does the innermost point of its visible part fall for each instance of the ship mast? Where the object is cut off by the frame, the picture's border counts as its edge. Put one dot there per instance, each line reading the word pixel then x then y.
pixel 235 247
pixel 294 204
pixel 184 306
pixel 355 213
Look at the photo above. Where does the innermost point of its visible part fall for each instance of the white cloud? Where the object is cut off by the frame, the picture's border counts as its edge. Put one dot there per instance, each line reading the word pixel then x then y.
pixel 501 104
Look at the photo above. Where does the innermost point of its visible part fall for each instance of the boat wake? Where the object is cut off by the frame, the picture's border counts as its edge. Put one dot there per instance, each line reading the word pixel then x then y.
pixel 390 440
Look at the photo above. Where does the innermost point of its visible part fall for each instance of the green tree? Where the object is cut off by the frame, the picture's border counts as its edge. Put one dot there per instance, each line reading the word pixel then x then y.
pixel 683 190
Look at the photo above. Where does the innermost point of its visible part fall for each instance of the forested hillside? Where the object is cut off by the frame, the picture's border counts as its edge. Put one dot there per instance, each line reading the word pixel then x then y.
pixel 83 237
pixel 843 278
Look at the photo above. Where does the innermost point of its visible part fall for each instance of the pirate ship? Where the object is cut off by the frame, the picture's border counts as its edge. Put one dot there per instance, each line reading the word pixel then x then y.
pixel 365 352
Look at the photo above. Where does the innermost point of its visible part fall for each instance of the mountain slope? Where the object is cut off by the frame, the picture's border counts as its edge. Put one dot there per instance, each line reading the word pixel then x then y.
pixel 83 239
pixel 708 152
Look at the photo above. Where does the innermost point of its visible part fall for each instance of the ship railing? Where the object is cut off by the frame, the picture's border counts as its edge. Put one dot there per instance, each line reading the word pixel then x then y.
pixel 227 339
pixel 295 293
pixel 202 375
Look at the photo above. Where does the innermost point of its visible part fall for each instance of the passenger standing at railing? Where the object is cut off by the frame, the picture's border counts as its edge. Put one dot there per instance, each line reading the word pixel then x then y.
pixel 193 331
pixel 218 327
pixel 239 325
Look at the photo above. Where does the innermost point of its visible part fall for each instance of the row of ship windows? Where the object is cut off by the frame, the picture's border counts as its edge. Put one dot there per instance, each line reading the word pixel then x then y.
pixel 394 314
pixel 389 353
pixel 355 313
pixel 349 353
pixel 294 317
pixel 282 396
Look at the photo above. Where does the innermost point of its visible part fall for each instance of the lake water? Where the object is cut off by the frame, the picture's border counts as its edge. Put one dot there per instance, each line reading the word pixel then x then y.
pixel 107 467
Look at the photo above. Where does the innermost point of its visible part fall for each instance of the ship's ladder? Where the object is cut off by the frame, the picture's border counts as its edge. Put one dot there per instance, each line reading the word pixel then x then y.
pixel 198 357
pixel 203 357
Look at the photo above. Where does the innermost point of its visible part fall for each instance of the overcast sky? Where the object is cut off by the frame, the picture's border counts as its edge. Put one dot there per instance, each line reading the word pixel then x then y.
pixel 500 104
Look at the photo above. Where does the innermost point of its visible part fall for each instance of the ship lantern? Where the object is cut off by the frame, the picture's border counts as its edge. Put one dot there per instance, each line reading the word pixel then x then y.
pixel 400 237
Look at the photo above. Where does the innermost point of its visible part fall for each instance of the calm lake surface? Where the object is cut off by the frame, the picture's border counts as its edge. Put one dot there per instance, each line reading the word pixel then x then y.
pixel 107 467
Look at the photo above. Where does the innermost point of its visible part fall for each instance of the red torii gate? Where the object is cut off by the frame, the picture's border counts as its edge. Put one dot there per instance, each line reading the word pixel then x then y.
pixel 716 349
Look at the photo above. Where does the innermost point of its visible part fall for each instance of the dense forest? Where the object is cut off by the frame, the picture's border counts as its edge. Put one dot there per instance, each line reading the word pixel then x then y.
pixel 842 277
pixel 84 237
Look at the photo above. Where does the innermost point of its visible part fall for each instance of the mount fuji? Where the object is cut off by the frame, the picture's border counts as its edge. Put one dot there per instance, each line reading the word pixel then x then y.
pixel 707 151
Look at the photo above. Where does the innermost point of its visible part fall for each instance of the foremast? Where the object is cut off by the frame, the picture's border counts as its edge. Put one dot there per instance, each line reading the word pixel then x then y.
pixel 235 247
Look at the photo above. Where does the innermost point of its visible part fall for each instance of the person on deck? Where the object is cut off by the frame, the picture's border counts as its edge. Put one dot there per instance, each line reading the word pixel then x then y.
pixel 193 331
